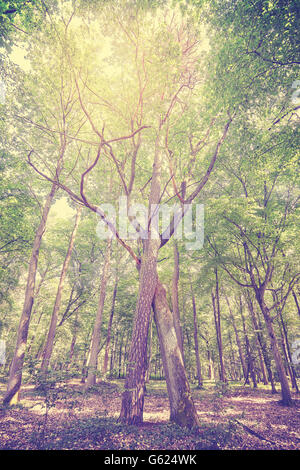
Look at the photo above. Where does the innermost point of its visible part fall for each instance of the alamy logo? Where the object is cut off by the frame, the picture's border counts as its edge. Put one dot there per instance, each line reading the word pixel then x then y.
pixel 161 221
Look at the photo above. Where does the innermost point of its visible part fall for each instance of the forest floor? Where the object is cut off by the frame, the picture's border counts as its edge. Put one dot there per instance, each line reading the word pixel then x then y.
pixel 237 417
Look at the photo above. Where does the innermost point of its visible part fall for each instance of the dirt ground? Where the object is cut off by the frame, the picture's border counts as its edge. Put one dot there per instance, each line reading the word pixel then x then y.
pixel 240 418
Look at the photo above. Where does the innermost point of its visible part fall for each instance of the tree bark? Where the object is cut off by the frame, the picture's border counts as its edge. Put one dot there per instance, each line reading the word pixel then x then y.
pixel 285 389
pixel 52 328
pixel 288 354
pixel 258 327
pixel 217 317
pixel 133 396
pixel 248 349
pixel 175 302
pixel 94 349
pixel 15 374
pixel 237 338
pixel 182 408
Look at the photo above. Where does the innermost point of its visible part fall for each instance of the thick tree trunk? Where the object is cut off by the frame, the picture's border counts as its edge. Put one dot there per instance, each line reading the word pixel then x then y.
pixel 152 292
pixel 52 328
pixel 133 396
pixel 15 375
pixel 182 408
pixel 198 363
pixel 94 349
pixel 148 373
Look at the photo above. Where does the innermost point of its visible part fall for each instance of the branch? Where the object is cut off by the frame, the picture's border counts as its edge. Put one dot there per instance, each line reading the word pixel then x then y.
pixel 212 163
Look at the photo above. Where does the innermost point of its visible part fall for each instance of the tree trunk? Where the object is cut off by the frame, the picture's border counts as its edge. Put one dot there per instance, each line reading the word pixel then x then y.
pixel 148 374
pixel 288 354
pixel 133 396
pixel 217 317
pixel 248 349
pixel 198 364
pixel 108 338
pixel 237 338
pixel 15 375
pixel 52 328
pixel 182 408
pixel 296 302
pixel 94 349
pixel 285 389
pixel 74 338
pixel 211 369
pixel 258 327
pixel 175 302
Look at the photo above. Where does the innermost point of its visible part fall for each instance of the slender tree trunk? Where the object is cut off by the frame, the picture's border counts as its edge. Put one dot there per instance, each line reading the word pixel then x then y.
pixel 237 338
pixel 175 302
pixel 296 302
pixel 258 327
pixel 15 375
pixel 217 317
pixel 108 339
pixel 198 363
pixel 261 362
pixel 248 348
pixel 288 354
pixel 182 408
pixel 95 342
pixel 211 370
pixel 52 328
pixel 74 338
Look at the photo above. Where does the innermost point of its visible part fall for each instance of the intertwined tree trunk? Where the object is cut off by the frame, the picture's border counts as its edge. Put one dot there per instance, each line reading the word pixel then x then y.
pixel 285 389
pixel 258 327
pixel 182 408
pixel 133 396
